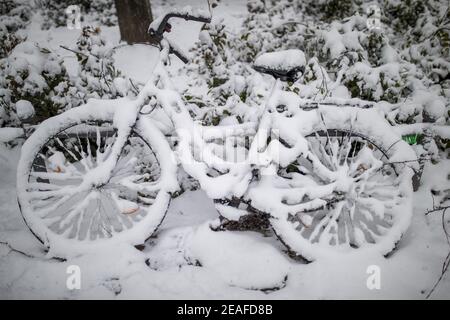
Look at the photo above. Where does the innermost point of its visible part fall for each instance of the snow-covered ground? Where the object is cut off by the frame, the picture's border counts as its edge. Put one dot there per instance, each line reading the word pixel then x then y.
pixel 186 259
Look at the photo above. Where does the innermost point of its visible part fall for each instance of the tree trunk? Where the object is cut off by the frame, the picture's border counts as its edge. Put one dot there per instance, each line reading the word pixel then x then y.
pixel 134 18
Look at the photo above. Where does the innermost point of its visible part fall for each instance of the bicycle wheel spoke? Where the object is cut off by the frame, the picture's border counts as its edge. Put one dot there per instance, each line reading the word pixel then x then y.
pixel 44 207
pixel 327 236
pixel 318 228
pixel 343 196
pixel 76 210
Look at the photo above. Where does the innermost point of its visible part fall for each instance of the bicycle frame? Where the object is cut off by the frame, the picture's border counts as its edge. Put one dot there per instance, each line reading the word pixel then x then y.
pixel 191 136
pixel 330 181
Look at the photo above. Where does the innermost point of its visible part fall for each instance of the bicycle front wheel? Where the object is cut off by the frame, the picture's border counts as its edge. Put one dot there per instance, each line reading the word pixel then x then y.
pixel 70 217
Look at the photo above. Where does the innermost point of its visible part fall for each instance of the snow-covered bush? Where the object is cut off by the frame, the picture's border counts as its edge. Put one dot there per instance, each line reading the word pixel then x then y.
pixel 404 62
pixel 102 12
pixel 8 41
pixel 34 74
pixel 37 75
pixel 15 14
pixel 97 77
pixel 210 56
pixel 216 80
pixel 267 27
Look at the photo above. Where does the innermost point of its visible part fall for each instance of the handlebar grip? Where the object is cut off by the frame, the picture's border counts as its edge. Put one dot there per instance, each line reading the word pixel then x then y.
pixel 159 26
pixel 180 55
pixel 198 18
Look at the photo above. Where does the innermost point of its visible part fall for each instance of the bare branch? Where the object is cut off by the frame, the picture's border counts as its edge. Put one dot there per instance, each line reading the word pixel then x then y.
pixel 446 263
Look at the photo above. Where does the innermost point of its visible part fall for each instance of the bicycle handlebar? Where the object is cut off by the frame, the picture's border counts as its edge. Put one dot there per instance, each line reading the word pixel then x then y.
pixel 162 26
pixel 159 26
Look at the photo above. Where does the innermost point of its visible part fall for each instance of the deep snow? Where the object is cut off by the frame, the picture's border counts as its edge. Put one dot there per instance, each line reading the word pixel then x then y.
pixel 186 259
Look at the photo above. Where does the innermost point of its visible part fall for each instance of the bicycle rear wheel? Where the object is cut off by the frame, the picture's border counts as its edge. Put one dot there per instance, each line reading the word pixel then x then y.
pixel 349 192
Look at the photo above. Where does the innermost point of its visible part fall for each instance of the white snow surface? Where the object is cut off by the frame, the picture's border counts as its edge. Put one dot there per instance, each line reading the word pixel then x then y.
pixel 8 134
pixel 186 259
pixel 24 109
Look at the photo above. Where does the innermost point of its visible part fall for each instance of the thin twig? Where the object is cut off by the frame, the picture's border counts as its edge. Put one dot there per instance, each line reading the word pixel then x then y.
pixel 136 90
pixel 11 248
pixel 446 263
pixel 436 209
pixel 74 51
pixel 103 75
pixel 407 161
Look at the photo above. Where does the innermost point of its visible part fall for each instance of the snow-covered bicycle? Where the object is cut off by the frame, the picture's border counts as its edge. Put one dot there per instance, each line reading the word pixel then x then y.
pixel 331 177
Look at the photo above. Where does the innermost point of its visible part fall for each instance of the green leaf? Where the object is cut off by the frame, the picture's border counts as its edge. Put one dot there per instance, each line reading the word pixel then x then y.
pixel 411 139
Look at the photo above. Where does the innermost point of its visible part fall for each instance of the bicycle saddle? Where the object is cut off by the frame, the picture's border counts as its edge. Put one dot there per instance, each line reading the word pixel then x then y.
pixel 284 65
